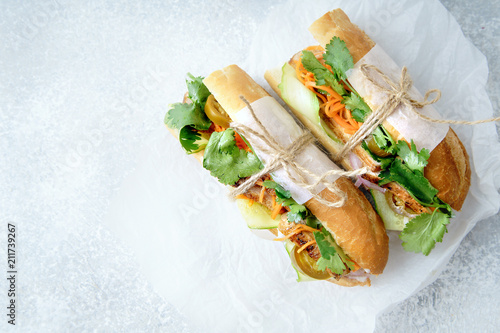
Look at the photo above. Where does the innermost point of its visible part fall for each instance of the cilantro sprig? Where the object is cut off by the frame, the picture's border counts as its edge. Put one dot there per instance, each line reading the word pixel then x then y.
pixel 322 75
pixel 414 160
pixel 190 118
pixel 359 109
pixel 297 212
pixel 423 232
pixel 187 114
pixel 412 180
pixel 197 90
pixel 226 161
pixel 337 55
pixel 332 256
pixel 191 140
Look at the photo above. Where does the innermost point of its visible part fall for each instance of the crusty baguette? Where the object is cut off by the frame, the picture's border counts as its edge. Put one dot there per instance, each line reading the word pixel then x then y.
pixel 337 23
pixel 355 226
pixel 448 169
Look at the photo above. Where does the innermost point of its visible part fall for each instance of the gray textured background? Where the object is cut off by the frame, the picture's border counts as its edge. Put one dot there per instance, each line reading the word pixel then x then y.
pixel 57 179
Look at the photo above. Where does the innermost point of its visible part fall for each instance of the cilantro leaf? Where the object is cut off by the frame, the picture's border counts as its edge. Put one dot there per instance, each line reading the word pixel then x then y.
pixel 197 91
pixel 384 140
pixel 337 55
pixel 385 162
pixel 281 193
pixel 422 232
pixel 329 256
pixel 187 114
pixel 322 75
pixel 190 114
pixel 359 109
pixel 191 140
pixel 297 213
pixel 413 159
pixel 226 161
pixel 413 181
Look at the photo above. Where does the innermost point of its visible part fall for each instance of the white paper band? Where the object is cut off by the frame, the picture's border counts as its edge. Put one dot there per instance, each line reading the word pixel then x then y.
pixel 425 134
pixel 285 131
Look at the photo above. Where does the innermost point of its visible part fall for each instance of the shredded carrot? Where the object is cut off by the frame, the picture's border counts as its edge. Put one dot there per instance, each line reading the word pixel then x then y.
pixel 242 196
pixel 274 201
pixel 261 196
pixel 218 128
pixel 307 228
pixel 356 266
pixel 303 247
pixel 276 211
pixel 331 101
pixel 296 230
pixel 293 231
pixel 240 142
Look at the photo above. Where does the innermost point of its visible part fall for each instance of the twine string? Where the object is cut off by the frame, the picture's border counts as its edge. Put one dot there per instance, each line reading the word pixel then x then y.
pixel 397 94
pixel 284 158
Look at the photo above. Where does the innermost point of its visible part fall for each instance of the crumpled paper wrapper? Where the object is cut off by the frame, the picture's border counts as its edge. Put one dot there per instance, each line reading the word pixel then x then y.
pixel 195 248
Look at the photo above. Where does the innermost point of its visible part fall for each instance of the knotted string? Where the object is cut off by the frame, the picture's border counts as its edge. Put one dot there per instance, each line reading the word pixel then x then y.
pixel 284 158
pixel 397 94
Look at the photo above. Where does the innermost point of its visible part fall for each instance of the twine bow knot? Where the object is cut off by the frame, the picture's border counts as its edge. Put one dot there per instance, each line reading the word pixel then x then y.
pixel 397 94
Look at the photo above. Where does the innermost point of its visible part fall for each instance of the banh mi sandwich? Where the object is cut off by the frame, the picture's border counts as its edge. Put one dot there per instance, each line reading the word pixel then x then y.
pixel 416 189
pixel 342 245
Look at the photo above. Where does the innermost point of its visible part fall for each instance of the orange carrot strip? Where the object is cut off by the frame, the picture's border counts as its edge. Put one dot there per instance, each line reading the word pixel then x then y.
pixel 276 211
pixel 303 247
pixel 261 196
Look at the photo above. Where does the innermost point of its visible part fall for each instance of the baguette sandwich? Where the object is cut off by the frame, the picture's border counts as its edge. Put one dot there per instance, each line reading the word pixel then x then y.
pixel 415 190
pixel 341 245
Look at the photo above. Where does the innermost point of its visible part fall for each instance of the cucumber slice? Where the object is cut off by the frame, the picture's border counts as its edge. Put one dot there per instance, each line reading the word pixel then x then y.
pixel 392 220
pixel 297 96
pixel 257 216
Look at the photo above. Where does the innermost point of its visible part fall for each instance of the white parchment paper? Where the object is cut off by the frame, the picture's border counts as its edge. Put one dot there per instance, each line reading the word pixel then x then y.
pixel 193 245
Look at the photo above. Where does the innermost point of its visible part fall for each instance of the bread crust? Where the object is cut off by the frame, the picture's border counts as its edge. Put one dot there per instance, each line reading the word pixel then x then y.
pixel 337 23
pixel 448 169
pixel 228 84
pixel 355 226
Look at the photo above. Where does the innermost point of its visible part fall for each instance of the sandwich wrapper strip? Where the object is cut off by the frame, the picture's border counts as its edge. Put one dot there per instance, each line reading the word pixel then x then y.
pixel 397 95
pixel 374 78
pixel 299 180
pixel 195 249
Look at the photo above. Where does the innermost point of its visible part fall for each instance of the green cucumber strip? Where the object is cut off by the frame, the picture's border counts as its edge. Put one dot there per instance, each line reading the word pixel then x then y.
pixel 297 96
pixel 257 216
pixel 391 219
